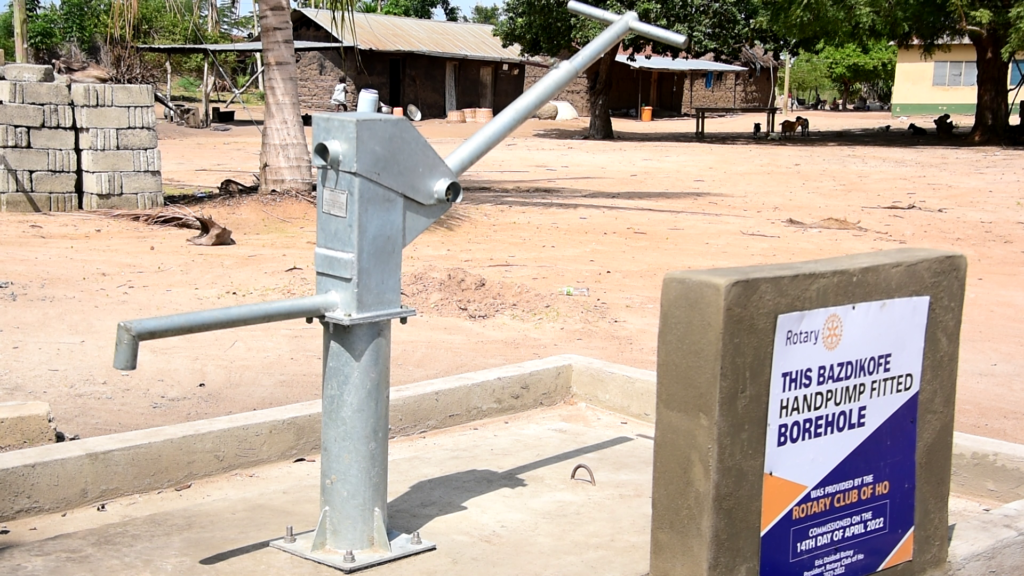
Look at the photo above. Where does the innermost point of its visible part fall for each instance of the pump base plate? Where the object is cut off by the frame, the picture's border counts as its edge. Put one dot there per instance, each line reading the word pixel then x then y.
pixel 400 548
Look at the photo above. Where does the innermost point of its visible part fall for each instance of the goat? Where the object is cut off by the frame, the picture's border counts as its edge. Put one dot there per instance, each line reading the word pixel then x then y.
pixel 788 127
pixel 943 127
pixel 883 128
pixel 81 71
pixel 757 129
pixel 804 124
pixel 917 130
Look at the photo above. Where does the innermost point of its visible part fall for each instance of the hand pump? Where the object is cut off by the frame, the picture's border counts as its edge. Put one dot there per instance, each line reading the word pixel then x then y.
pixel 369 208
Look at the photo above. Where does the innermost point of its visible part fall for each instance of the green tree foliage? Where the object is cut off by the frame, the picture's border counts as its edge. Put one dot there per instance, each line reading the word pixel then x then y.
pixel 367 6
pixel 808 75
pixel 423 9
pixel 485 14
pixel 50 26
pixel 851 64
pixel 546 27
pixel 994 27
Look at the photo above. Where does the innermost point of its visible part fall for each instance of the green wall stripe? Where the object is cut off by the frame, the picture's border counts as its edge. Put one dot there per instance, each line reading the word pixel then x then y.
pixel 938 109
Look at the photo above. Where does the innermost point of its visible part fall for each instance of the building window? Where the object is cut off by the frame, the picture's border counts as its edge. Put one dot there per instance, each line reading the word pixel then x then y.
pixel 955 74
pixel 1016 71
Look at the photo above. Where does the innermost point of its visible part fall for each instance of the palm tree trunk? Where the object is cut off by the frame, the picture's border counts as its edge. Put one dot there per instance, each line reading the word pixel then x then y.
pixel 285 163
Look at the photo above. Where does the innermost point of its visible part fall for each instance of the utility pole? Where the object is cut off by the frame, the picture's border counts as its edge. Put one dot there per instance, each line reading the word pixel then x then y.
pixel 785 88
pixel 20 32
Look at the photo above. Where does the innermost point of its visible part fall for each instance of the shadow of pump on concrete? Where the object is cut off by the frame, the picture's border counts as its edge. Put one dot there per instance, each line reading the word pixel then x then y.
pixel 435 497
pixel 444 495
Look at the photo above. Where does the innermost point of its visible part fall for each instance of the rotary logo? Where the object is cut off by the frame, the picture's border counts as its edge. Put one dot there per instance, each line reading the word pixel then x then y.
pixel 832 332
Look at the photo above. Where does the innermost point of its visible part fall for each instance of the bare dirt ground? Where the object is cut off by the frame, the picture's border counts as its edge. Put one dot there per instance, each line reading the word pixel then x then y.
pixel 545 210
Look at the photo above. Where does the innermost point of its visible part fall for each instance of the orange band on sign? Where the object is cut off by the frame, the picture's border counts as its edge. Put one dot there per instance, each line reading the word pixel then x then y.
pixel 903 553
pixel 777 495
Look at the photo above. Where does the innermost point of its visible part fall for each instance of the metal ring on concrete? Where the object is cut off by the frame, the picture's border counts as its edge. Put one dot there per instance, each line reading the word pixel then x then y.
pixel 572 476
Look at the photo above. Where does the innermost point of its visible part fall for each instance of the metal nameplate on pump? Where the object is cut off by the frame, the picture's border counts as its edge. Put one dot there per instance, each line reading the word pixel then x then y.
pixel 336 202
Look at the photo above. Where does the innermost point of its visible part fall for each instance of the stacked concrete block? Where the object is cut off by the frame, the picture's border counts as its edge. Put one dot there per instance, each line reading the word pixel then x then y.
pixel 89 146
pixel 120 165
pixel 38 160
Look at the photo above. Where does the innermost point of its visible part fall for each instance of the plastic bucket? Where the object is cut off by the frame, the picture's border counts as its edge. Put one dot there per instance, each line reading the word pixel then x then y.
pixel 368 100
pixel 397 111
pixel 646 114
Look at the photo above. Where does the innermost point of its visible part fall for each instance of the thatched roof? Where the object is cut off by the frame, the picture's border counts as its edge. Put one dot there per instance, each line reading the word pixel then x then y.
pixel 756 58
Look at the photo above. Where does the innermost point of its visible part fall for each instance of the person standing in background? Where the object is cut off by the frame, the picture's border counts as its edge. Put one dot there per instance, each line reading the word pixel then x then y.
pixel 339 96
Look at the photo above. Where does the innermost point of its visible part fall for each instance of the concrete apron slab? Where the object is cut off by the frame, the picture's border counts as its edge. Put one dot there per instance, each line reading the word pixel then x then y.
pixel 62 477
pixel 495 496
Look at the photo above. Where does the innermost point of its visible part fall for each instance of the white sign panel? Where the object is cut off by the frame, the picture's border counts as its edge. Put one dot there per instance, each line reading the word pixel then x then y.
pixel 839 474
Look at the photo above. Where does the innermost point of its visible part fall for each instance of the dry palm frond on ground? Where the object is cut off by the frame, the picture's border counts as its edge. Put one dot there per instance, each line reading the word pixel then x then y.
pixel 167 216
pixel 210 233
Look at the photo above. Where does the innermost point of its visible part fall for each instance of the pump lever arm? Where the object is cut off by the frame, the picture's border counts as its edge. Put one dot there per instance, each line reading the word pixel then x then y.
pixel 524 107
pixel 131 332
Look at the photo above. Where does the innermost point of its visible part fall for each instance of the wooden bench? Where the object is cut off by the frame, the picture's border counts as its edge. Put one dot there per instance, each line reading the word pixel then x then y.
pixel 703 112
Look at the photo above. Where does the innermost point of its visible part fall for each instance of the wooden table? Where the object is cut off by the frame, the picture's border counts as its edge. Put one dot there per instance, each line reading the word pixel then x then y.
pixel 702 116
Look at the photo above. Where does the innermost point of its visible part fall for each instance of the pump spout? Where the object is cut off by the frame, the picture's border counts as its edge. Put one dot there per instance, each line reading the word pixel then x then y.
pixel 131 332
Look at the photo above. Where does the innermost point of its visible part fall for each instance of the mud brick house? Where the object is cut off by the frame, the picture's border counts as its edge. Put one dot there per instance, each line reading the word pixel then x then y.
pixel 438 66
pixel 676 86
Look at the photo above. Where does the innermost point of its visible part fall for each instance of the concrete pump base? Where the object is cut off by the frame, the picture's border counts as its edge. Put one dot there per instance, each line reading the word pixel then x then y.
pixel 481 468
pixel 494 496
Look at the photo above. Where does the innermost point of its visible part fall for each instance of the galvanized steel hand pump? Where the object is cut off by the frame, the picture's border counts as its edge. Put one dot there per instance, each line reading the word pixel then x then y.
pixel 369 208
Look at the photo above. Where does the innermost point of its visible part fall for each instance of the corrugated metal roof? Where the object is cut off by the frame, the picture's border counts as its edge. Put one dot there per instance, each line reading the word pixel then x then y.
pixel 300 46
pixel 678 64
pixel 412 35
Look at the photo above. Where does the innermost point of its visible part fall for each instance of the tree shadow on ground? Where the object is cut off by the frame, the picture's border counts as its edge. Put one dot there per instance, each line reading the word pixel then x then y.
pixel 897 137
pixel 510 193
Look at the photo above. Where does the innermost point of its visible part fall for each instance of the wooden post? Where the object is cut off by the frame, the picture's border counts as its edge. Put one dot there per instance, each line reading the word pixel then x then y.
pixel 20 32
pixel 207 86
pixel 690 74
pixel 653 100
pixel 168 66
pixel 639 93
pixel 785 88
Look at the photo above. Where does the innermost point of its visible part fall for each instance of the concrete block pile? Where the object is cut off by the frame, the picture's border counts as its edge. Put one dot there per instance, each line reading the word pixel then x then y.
pixel 87 146
pixel 120 164
pixel 38 161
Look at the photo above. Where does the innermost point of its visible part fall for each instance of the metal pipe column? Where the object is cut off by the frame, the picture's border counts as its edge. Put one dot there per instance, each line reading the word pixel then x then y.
pixel 354 437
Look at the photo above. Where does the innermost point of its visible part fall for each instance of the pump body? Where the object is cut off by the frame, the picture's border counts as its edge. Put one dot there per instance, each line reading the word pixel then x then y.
pixel 380 185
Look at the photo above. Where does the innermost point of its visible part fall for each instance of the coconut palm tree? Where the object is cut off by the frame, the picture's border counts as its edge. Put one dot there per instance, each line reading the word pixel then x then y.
pixel 285 163
pixel 284 156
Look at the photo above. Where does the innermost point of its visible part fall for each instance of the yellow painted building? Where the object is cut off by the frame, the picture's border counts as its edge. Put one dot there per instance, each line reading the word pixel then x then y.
pixel 941 83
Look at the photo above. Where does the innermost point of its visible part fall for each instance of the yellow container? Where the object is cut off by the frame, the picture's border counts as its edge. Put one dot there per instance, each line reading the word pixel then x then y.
pixel 647 114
